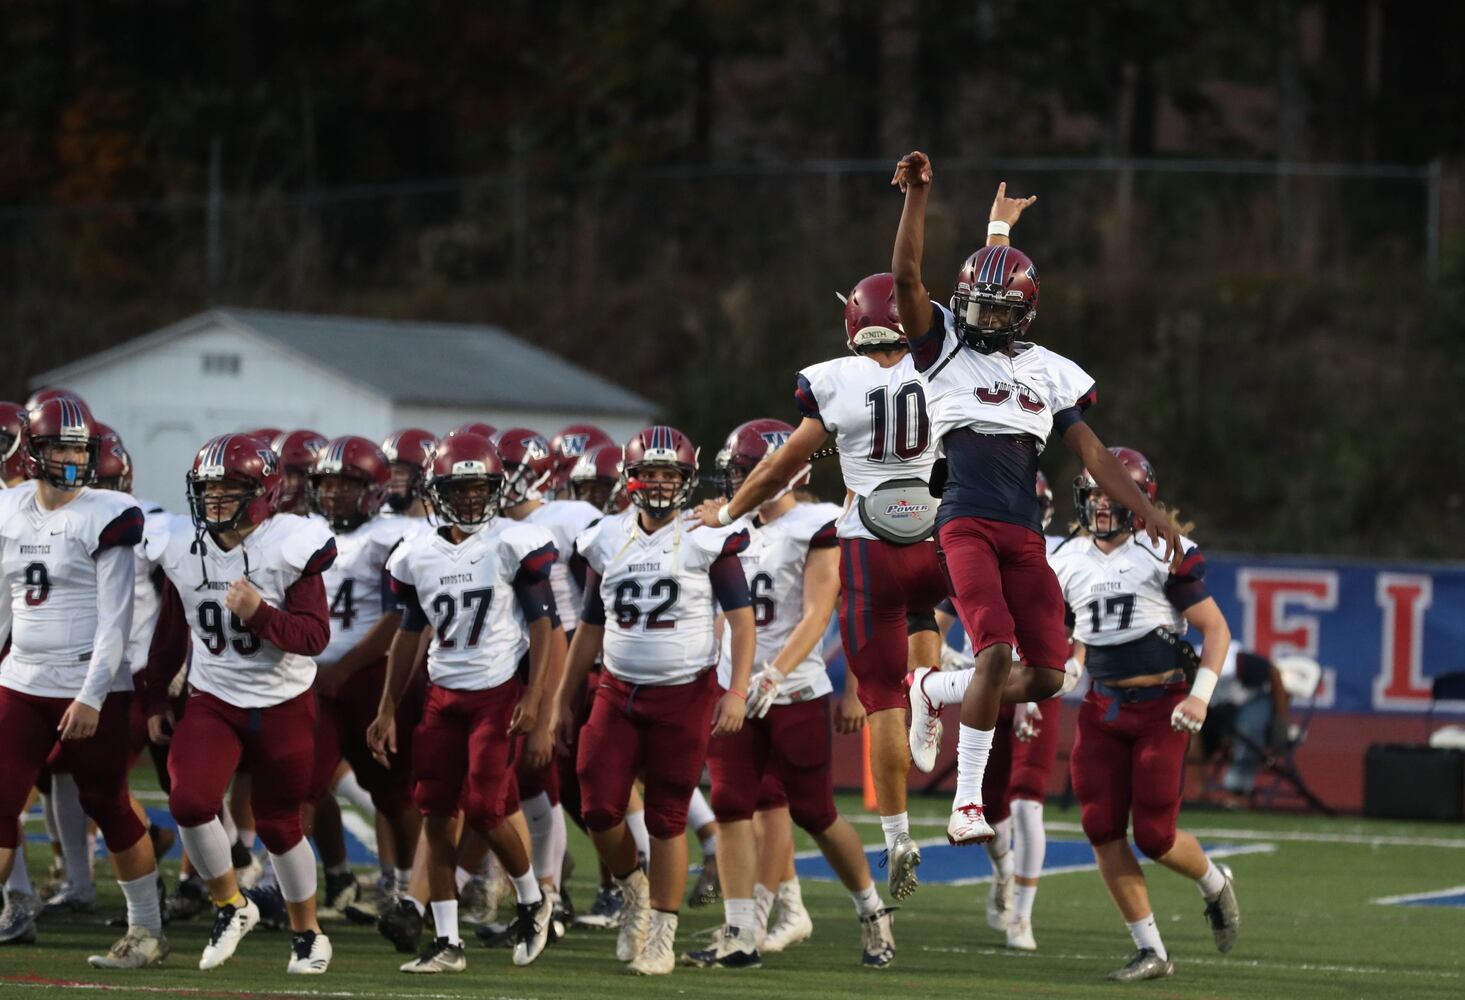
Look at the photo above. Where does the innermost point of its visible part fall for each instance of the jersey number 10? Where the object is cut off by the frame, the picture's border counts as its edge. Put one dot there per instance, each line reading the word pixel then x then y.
pixel 907 435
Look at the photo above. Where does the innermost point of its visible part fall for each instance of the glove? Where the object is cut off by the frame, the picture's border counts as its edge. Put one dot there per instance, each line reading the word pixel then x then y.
pixel 763 689
pixel 1025 720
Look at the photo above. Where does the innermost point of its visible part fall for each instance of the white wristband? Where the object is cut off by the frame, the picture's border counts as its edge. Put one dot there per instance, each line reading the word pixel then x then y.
pixel 998 228
pixel 1205 685
pixel 723 517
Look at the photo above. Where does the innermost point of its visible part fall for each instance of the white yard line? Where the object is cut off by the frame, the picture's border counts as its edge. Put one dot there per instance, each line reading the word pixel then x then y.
pixel 1325 967
pixel 1414 897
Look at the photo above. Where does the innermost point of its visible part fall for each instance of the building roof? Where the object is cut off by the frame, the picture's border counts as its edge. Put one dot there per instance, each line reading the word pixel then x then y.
pixel 407 361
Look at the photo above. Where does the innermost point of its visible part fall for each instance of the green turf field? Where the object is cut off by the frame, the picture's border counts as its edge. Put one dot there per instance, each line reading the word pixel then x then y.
pixel 1310 929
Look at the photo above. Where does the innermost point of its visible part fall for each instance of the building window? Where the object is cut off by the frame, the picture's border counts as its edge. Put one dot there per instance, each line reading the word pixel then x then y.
pixel 221 364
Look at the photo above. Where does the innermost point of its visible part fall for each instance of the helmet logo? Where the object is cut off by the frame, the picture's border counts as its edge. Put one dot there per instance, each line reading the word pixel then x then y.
pixel 268 459
pixel 775 439
pixel 573 445
pixel 470 467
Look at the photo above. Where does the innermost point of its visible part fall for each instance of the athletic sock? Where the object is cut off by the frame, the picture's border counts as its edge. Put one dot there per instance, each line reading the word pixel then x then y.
pixel 539 817
pixel 636 821
pixel 763 905
pixel 867 900
pixel 342 868
pixel 791 894
pixel 445 918
pixel 973 746
pixel 1022 900
pixel 20 876
pixel 1147 935
pixel 349 788
pixel 142 903
pixel 1029 840
pixel 404 879
pixel 71 821
pixel 526 887
pixel 560 844
pixel 894 825
pixel 740 913
pixel 709 846
pixel 208 848
pixel 462 877
pixel 946 687
pixel 1212 882
pixel 699 813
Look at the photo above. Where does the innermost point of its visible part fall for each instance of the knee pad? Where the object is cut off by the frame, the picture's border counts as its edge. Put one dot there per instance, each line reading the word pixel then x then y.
pixel 279 831
pixel 190 809
pixel 813 817
pixel 1100 824
pixel 1153 838
pixel 732 805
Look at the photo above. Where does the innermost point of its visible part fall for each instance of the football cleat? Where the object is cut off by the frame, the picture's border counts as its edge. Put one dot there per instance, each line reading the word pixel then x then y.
pixel 473 902
pixel 231 923
pixel 370 905
pixel 706 890
pixel 563 917
pixel 70 899
pixel 310 954
pixel 137 949
pixel 901 862
pixel 1143 964
pixel 402 925
pixel 342 890
pixel 249 874
pixel 532 929
pixel 732 948
pixel 999 902
pixel 187 901
pixel 925 731
pixel 635 918
pixel 438 956
pixel 968 826
pixel 1020 935
pixel 659 955
pixel 792 925
pixel 605 909
pixel 18 919
pixel 1224 914
pixel 273 915
pixel 877 938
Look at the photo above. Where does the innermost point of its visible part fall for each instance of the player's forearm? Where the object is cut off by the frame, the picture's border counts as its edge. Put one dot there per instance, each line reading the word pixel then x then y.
pixel 373 645
pixel 744 645
pixel 1215 641
pixel 802 640
pixel 912 300
pixel 401 658
pixel 114 624
pixel 540 649
pixel 1111 475
pixel 768 477
pixel 303 625
pixel 584 647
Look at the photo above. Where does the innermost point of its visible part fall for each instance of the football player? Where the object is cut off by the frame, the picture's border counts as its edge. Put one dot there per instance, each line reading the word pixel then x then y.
pixel 597 480
pixel 874 403
pixel 482 582
pixel 245 596
pixel 566 449
pixel 12 456
pixel 66 554
pixel 406 451
pixel 792 563
pixel 994 401
pixel 1130 607
pixel 659 581
pixel 297 451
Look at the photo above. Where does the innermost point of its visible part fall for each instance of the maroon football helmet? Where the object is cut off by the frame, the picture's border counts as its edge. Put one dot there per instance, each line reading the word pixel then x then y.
pixel 483 430
pixel 659 447
pixel 244 463
pixel 61 420
pixel 464 481
pixel 746 446
pixel 528 463
pixel 996 298
pixel 871 321
pixel 297 452
pixel 567 447
pixel 1121 519
pixel 349 482
pixel 38 397
pixel 596 479
pixel 114 464
pixel 266 434
pixel 406 451
pixel 1045 498
pixel 12 426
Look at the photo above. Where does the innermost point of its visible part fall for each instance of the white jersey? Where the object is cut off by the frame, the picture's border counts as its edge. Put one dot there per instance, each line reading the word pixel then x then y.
pixel 564 520
pixel 774 564
pixel 229 661
pixel 147 601
pixel 356 588
pixel 660 611
pixel 1000 394
pixel 466 592
pixel 1120 596
pixel 879 419
pixel 68 605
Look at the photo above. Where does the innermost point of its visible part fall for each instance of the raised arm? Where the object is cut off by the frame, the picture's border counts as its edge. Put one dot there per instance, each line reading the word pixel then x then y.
pixel 913 177
pixel 768 476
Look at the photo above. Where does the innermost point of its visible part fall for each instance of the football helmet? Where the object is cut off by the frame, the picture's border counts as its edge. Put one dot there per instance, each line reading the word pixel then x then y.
pixel 406 451
pixel 114 464
pixel 266 434
pixel 464 481
pixel 38 397
pixel 61 420
pixel 996 298
pixel 528 463
pixel 745 447
pixel 364 473
pixel 12 426
pixel 567 448
pixel 596 479
pixel 297 452
pixel 659 447
pixel 1120 519
pixel 1045 498
pixel 483 430
pixel 871 321
pixel 246 464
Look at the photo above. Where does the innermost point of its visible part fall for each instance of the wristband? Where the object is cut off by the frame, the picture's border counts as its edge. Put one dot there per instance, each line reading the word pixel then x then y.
pixel 998 228
pixel 724 518
pixel 1205 684
pixel 738 693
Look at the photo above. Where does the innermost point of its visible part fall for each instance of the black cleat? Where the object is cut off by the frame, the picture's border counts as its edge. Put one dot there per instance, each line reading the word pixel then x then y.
pixel 402 925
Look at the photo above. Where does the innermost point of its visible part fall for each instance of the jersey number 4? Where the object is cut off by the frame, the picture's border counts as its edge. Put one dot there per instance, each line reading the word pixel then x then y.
pixel 1120 606
pixel 628 614
pixel 906 436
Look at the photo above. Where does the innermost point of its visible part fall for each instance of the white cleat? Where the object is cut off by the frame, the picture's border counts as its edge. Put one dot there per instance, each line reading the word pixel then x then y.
pixel 902 860
pixel 635 917
pixel 968 826
pixel 925 732
pixel 310 954
pixel 659 956
pixel 1020 935
pixel 531 930
pixel 792 925
pixel 231 923
pixel 137 949
pixel 999 902
pixel 877 939
pixel 440 955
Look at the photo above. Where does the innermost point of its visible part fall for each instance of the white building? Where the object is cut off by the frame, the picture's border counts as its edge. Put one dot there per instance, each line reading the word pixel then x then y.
pixel 227 369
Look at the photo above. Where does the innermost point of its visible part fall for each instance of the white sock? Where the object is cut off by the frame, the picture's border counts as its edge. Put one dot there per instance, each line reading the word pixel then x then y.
pixel 1212 882
pixel 404 879
pixel 637 822
pixel 894 826
pixel 296 871
pixel 247 838
pixel 142 902
pixel 946 687
pixel 230 830
pixel 208 848
pixel 1022 900
pixel 1001 864
pixel 560 838
pixel 526 887
pixel 1029 840
pixel 999 848
pixel 539 817
pixel 699 813
pixel 350 789
pixel 445 919
pixel 1147 935
pixel 762 906
pixel 791 894
pixel 72 823
pixel 867 900
pixel 48 810
pixel 740 913
pixel 462 877
pixel 20 876
pixel 344 868
pixel 709 846
pixel 417 904
pixel 973 746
